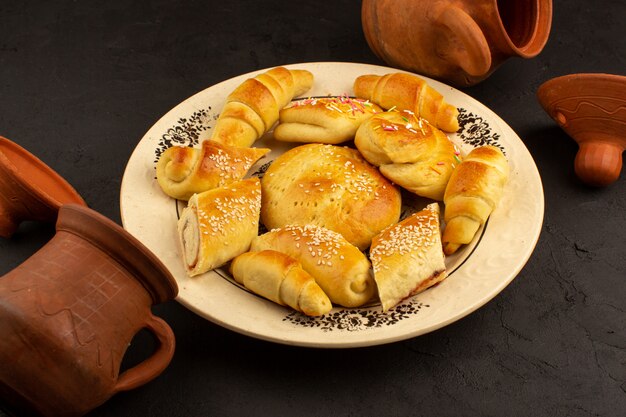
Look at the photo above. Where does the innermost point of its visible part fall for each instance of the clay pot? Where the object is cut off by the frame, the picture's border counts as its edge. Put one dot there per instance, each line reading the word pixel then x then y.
pixel 29 189
pixel 591 108
pixel 69 312
pixel 460 42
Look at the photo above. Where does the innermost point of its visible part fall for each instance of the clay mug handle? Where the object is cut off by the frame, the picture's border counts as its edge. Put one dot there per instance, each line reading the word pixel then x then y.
pixel 598 163
pixel 473 54
pixel 155 364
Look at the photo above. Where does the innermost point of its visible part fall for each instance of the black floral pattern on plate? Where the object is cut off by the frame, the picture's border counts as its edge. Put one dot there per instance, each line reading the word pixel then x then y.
pixel 475 130
pixel 186 131
pixel 356 319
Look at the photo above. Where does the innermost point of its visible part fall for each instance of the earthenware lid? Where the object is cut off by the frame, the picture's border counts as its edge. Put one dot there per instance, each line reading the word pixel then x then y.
pixel 590 108
pixel 34 175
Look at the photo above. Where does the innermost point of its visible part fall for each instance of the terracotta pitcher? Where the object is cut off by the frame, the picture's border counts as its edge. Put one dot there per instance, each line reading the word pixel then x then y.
pixel 69 312
pixel 29 189
pixel 457 41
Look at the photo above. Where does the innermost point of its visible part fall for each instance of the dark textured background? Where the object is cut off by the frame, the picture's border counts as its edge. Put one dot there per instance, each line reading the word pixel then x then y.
pixel 82 81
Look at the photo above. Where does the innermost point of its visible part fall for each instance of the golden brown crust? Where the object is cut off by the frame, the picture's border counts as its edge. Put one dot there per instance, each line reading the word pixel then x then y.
pixel 408 92
pixel 409 151
pixel 330 120
pixel 183 171
pixel 281 279
pixel 474 190
pixel 252 108
pixel 407 258
pixel 219 224
pixel 340 269
pixel 332 187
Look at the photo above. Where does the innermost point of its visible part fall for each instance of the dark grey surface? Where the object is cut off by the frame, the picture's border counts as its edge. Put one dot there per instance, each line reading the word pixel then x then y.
pixel 81 82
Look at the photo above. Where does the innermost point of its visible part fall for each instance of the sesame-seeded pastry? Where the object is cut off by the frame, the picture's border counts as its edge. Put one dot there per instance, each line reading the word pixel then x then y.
pixel 183 171
pixel 473 192
pixel 409 151
pixel 323 120
pixel 219 224
pixel 407 257
pixel 329 186
pixel 408 92
pixel 252 108
pixel 339 268
pixel 281 279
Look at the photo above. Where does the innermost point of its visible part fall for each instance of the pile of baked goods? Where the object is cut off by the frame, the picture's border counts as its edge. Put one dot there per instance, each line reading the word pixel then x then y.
pixel 332 203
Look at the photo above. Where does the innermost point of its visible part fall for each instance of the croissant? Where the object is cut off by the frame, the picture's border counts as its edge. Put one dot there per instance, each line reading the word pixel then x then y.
pixel 339 268
pixel 408 92
pixel 329 120
pixel 252 108
pixel 219 224
pixel 183 171
pixel 281 279
pixel 409 151
pixel 474 190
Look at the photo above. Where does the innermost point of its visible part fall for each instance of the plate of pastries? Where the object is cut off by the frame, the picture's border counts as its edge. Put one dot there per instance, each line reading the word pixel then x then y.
pixel 334 204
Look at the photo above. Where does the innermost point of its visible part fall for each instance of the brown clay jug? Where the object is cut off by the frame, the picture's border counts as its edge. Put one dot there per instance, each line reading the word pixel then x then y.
pixel 69 312
pixel 591 108
pixel 460 42
pixel 29 189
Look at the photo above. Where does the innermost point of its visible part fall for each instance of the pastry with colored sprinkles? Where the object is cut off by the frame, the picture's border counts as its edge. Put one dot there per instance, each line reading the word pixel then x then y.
pixel 409 151
pixel 330 120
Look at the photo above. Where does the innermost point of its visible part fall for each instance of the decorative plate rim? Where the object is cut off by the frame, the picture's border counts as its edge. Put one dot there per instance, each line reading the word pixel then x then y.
pixel 260 318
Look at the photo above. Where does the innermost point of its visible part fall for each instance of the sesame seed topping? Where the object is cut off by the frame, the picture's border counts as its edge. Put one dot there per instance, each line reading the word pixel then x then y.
pixel 224 213
pixel 321 243
pixel 413 237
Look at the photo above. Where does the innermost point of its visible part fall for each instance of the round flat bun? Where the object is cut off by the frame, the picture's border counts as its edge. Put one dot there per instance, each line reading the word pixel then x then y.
pixel 329 186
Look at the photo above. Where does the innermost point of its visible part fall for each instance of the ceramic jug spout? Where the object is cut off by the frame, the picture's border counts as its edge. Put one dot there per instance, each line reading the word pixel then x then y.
pixel 525 26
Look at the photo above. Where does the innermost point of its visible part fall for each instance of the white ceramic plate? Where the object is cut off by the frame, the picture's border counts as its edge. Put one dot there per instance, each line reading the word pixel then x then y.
pixel 477 273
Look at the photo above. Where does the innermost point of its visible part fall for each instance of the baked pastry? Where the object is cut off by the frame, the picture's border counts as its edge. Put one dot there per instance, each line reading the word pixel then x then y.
pixel 474 190
pixel 219 224
pixel 329 186
pixel 409 151
pixel 407 257
pixel 408 92
pixel 252 108
pixel 183 171
pixel 323 120
pixel 339 268
pixel 281 279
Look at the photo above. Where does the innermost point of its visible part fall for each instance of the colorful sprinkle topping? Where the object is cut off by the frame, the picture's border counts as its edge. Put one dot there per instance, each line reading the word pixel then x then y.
pixel 341 104
pixel 410 122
